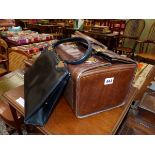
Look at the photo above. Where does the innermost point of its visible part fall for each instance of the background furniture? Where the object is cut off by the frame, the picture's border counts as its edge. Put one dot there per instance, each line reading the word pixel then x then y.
pixel 132 32
pixel 57 32
pixel 17 55
pixel 144 79
pixel 146 51
pixel 3 57
pixel 16 59
pixel 117 25
pixel 6 116
pixel 108 39
pixel 138 120
pixel 24 37
pixel 141 118
pixel 7 82
pixel 5 23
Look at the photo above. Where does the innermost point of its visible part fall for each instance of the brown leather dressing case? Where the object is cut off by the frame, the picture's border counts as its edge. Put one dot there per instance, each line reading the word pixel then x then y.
pixel 96 85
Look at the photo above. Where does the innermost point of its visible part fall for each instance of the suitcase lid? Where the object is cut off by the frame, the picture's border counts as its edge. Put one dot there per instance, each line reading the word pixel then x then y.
pixel 72 51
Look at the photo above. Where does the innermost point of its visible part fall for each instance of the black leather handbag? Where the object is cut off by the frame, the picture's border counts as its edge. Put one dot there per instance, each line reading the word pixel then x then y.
pixel 45 81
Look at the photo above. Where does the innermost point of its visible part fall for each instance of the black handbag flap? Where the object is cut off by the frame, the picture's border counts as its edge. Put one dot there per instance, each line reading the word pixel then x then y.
pixel 41 79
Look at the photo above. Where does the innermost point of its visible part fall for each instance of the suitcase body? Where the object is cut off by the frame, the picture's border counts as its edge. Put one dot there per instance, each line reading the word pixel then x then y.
pixel 95 85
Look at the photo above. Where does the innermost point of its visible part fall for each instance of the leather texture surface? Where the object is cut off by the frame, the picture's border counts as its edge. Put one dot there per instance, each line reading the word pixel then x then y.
pixel 86 91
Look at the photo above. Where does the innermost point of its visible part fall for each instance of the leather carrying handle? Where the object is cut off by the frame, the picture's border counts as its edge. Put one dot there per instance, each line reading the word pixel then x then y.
pixel 76 39
pixel 113 57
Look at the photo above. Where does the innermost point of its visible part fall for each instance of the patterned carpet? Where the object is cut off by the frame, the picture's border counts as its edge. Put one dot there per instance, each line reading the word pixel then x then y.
pixel 3 130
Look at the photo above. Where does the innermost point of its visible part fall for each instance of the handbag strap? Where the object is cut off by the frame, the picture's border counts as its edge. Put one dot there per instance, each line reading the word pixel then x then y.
pixel 76 39
pixel 113 57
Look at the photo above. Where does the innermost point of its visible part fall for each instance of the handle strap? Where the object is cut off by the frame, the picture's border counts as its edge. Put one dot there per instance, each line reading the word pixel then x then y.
pixel 113 57
pixel 76 39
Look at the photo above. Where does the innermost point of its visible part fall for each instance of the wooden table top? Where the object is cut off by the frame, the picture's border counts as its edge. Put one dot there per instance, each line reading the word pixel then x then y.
pixel 11 81
pixel 63 120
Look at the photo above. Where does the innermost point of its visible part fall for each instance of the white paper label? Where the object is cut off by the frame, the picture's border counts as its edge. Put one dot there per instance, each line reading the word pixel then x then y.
pixel 20 100
pixel 108 81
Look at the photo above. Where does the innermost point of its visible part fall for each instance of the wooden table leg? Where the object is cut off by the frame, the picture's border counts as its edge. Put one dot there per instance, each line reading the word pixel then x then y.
pixel 15 117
